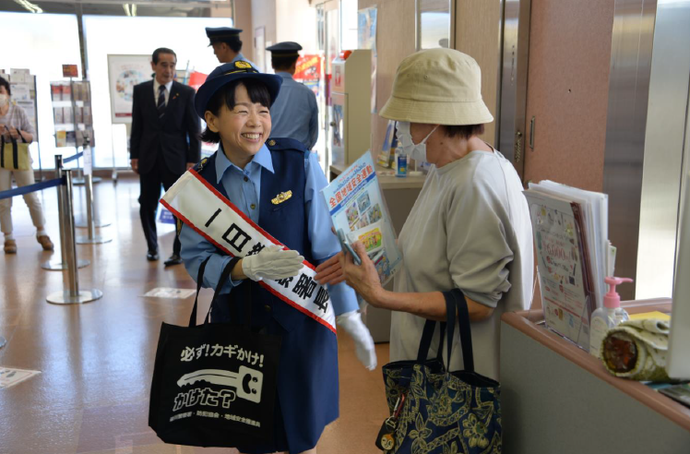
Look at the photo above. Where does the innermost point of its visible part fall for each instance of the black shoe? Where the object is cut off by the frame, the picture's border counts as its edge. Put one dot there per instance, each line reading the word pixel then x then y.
pixel 152 256
pixel 173 260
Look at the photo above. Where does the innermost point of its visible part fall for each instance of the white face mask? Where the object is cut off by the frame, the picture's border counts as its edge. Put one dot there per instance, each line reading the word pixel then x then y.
pixel 4 99
pixel 416 152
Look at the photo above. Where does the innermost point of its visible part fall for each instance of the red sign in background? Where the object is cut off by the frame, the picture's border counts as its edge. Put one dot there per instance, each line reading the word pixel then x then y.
pixel 70 71
pixel 308 67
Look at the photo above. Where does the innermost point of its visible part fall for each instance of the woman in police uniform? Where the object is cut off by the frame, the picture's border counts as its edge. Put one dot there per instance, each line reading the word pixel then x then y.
pixel 235 101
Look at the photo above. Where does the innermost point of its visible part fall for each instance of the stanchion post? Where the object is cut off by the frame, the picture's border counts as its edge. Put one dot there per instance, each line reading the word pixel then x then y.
pixel 91 238
pixel 89 206
pixel 55 265
pixel 71 246
pixel 73 295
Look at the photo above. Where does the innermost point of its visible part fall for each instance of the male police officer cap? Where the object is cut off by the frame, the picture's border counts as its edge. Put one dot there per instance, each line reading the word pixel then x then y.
pixel 285 49
pixel 222 34
pixel 229 72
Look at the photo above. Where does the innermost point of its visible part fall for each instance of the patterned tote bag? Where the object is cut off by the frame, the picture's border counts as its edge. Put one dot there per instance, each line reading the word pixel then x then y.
pixel 434 410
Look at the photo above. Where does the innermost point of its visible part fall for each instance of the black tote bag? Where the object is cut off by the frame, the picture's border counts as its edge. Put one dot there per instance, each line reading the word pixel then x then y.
pixel 437 411
pixel 214 384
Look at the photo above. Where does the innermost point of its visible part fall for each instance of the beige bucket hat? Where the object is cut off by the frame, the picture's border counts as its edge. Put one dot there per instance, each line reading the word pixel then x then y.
pixel 438 86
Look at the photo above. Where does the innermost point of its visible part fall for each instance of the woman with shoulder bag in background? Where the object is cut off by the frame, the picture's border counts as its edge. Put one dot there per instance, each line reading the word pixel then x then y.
pixel 15 125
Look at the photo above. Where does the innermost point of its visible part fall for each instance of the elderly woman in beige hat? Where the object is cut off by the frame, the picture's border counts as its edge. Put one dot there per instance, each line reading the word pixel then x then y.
pixel 470 226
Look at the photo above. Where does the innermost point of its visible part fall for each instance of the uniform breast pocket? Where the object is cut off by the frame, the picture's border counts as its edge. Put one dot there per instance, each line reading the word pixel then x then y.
pixel 284 207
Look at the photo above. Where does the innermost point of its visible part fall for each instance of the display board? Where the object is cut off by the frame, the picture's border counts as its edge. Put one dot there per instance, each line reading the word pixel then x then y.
pixel 72 113
pixel 124 72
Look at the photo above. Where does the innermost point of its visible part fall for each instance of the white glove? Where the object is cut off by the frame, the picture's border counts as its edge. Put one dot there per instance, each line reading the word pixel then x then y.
pixel 364 344
pixel 273 262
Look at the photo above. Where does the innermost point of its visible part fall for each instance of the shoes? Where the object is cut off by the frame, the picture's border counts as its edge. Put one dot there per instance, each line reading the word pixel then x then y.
pixel 10 247
pixel 173 260
pixel 152 256
pixel 45 242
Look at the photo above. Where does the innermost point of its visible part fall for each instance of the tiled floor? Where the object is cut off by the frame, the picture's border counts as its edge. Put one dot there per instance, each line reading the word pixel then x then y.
pixel 96 359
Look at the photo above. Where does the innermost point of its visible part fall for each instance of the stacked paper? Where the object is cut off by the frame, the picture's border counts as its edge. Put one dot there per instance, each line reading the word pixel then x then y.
pixel 574 255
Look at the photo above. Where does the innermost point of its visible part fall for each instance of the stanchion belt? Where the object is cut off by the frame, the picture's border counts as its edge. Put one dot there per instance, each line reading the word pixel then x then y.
pixel 72 158
pixel 32 188
pixel 199 205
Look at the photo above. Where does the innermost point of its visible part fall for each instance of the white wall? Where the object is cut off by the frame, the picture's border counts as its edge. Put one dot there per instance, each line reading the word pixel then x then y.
pixel 296 21
pixel 41 43
pixel 138 35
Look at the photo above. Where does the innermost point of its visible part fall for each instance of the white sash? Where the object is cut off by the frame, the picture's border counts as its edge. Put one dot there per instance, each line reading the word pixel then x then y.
pixel 199 205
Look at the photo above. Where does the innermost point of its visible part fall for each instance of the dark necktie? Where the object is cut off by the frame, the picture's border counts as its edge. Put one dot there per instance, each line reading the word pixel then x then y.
pixel 161 101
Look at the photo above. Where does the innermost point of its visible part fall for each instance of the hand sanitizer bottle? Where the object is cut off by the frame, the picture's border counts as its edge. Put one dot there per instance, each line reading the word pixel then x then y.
pixel 605 318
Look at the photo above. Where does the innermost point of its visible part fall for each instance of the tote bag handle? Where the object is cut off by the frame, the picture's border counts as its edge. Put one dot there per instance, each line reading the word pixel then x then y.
pixel 456 310
pixel 224 276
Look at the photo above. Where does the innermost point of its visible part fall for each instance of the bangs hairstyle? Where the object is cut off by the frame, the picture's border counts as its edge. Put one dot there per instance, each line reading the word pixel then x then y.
pixel 257 91
pixel 464 131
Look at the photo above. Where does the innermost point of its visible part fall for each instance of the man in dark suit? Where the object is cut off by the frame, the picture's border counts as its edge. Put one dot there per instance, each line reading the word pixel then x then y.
pixel 164 141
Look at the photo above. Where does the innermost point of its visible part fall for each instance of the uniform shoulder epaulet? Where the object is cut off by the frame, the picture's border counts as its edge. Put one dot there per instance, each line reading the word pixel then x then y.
pixel 286 144
pixel 200 165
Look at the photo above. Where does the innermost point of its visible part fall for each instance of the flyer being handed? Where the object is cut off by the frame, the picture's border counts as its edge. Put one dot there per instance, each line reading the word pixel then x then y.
pixel 359 213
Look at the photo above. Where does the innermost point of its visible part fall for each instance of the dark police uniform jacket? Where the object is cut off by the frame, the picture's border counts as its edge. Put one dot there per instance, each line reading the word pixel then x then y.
pixel 308 372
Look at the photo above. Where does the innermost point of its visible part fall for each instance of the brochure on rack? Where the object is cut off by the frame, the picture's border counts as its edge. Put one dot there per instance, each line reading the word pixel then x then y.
pixel 563 264
pixel 359 213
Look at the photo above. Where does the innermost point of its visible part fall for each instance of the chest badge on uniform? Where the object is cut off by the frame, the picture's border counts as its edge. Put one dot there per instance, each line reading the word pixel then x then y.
pixel 282 197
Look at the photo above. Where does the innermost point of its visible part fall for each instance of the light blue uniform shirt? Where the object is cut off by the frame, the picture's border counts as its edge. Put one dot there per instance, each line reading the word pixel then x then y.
pixel 294 113
pixel 195 248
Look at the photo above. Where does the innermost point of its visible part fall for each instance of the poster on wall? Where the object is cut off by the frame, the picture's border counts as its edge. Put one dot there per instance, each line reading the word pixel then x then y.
pixel 366 39
pixel 308 70
pixel 124 72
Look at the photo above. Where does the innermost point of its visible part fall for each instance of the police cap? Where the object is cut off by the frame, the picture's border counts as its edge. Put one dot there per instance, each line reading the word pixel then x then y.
pixel 229 72
pixel 285 49
pixel 222 34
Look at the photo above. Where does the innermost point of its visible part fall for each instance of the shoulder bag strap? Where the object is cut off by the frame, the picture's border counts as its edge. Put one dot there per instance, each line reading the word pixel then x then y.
pixel 456 309
pixel 199 281
pixel 224 276
pixel 15 153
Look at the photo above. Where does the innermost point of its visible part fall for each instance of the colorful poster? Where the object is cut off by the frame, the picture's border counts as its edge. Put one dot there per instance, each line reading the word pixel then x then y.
pixel 358 209
pixel 563 265
pixel 124 72
pixel 308 71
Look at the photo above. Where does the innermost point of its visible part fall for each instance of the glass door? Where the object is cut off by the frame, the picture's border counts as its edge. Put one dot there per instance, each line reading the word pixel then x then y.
pixel 328 30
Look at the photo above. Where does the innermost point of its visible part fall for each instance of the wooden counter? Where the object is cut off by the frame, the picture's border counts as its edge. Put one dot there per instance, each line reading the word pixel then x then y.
pixel 557 398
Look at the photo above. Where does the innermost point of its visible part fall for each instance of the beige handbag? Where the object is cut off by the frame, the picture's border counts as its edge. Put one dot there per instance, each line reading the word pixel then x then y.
pixel 14 155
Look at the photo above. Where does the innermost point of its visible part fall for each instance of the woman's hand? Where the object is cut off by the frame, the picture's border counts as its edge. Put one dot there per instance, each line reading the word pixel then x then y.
pixel 330 272
pixel 363 278
pixel 14 133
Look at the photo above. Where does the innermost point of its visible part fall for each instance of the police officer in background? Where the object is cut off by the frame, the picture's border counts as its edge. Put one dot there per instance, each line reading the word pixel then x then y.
pixel 226 44
pixel 294 113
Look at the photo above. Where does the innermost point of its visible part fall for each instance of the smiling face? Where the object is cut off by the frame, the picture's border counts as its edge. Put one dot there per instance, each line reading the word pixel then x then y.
pixel 243 129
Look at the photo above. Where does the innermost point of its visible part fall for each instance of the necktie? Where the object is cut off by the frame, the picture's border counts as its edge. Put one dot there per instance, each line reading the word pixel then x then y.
pixel 161 101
